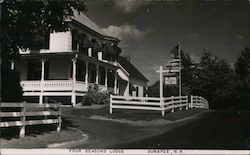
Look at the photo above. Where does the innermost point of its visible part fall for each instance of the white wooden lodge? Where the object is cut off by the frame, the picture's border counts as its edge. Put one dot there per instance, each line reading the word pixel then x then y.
pixel 64 64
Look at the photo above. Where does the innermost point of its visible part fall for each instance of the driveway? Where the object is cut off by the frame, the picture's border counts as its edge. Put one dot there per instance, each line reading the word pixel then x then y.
pixel 109 134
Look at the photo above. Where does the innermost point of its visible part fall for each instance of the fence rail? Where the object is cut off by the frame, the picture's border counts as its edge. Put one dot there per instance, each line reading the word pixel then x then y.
pixel 199 102
pixel 158 104
pixel 26 110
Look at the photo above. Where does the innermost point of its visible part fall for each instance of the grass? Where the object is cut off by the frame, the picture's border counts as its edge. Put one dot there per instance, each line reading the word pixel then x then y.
pixel 39 136
pixel 133 115
pixel 42 140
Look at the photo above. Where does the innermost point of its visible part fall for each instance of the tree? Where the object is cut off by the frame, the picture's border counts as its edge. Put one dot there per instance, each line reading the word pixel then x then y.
pixel 242 65
pixel 25 23
pixel 213 78
pixel 242 80
pixel 186 72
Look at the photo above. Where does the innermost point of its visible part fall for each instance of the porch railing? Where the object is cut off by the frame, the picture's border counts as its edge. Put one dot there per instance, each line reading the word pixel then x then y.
pixel 53 85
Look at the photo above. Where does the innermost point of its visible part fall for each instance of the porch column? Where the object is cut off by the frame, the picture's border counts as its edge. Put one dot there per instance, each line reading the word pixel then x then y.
pixel 73 97
pixel 97 74
pixel 42 81
pixel 87 72
pixel 115 85
pixel 106 78
pixel 126 93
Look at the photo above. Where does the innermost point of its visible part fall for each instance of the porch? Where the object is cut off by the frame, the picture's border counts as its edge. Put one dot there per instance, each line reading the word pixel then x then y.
pixel 65 76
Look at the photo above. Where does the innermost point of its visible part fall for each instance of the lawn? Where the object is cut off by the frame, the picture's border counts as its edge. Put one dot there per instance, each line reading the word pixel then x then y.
pixel 133 115
pixel 39 136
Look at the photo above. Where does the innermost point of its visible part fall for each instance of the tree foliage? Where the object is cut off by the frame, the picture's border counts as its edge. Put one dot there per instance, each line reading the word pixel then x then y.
pixel 214 79
pixel 242 79
pixel 24 23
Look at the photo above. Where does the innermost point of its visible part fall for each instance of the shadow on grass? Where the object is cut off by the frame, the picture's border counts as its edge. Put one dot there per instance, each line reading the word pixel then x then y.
pixel 218 130
pixel 34 130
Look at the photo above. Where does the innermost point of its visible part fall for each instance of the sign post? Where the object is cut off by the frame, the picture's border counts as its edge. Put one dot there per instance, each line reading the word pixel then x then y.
pixel 174 66
pixel 161 81
pixel 179 51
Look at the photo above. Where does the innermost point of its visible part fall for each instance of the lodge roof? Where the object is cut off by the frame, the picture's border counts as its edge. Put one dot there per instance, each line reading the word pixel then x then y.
pixel 81 18
pixel 134 73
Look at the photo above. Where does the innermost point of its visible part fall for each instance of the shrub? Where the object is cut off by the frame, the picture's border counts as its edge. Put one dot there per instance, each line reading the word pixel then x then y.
pixel 94 95
pixel 11 90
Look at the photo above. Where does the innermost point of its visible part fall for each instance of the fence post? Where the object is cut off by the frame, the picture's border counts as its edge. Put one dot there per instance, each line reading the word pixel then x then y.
pixel 180 108
pixel 187 102
pixel 191 102
pixel 162 106
pixel 172 100
pixel 22 119
pixel 59 125
pixel 110 103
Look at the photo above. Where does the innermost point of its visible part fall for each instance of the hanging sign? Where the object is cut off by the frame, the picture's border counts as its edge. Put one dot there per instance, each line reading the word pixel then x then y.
pixel 170 80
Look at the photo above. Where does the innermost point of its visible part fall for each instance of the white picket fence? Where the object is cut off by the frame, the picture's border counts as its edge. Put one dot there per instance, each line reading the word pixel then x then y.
pixel 199 102
pixel 159 104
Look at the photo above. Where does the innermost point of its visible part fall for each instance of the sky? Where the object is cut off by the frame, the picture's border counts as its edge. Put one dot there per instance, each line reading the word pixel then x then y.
pixel 150 29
